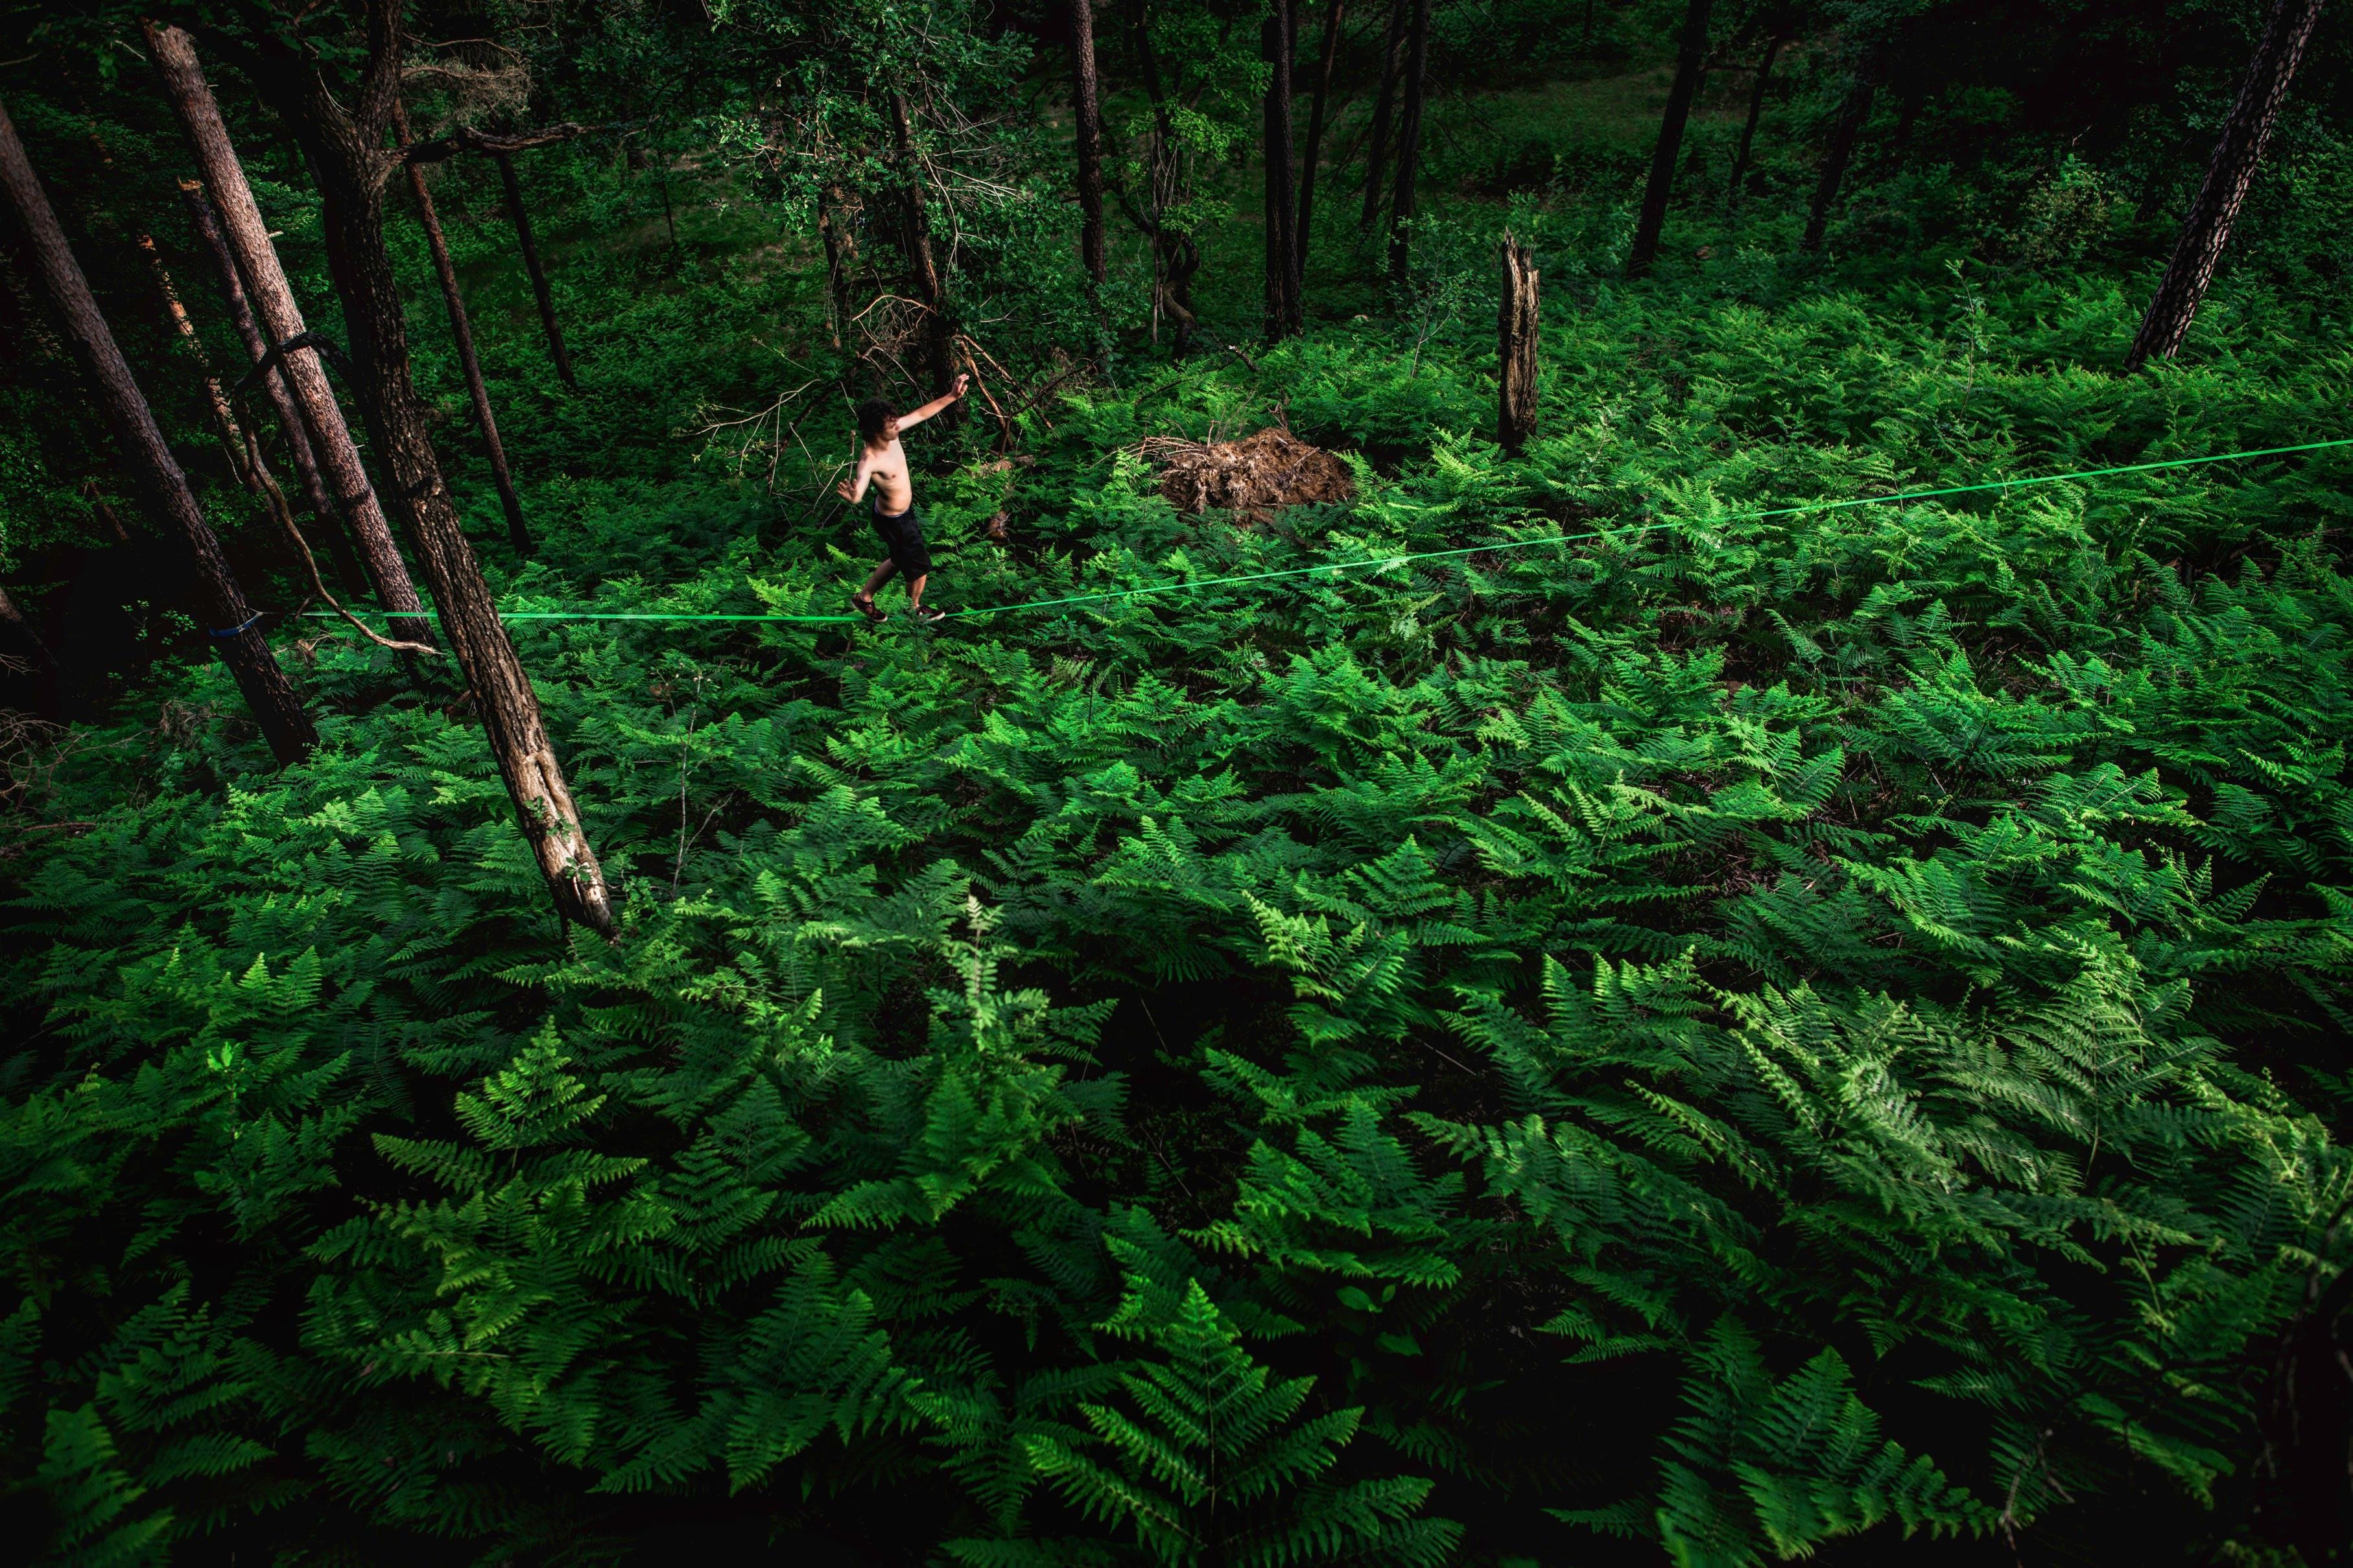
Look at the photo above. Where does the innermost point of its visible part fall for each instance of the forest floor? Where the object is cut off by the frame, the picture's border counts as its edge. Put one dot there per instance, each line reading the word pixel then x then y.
pixel 1706 1010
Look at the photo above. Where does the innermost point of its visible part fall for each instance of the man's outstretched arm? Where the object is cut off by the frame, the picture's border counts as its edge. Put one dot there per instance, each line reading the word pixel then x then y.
pixel 916 416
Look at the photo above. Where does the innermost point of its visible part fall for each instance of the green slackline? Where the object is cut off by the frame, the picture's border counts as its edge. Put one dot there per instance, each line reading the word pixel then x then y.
pixel 1194 584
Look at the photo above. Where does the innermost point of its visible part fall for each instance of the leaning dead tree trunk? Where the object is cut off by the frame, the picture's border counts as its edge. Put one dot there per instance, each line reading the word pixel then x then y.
pixel 1516 336
pixel 2207 229
pixel 229 619
pixel 1853 114
pixel 1282 313
pixel 939 332
pixel 1690 55
pixel 207 224
pixel 1377 143
pixel 1314 153
pixel 282 320
pixel 1409 152
pixel 345 148
pixel 512 184
pixel 462 331
pixel 1085 103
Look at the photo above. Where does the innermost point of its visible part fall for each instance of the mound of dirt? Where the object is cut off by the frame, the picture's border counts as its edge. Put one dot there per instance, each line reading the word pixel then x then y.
pixel 1249 477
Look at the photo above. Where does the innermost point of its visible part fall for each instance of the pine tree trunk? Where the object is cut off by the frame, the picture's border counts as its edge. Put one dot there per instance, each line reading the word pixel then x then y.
pixel 1690 55
pixel 289 417
pixel 345 149
pixel 1408 151
pixel 1516 337
pixel 939 333
pixel 1755 112
pixel 1086 104
pixel 219 603
pixel 1314 153
pixel 1377 145
pixel 2207 229
pixel 282 320
pixel 1852 113
pixel 462 331
pixel 512 182
pixel 1282 314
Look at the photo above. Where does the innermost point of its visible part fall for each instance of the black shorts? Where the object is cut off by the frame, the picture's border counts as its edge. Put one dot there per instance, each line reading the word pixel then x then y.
pixel 903 536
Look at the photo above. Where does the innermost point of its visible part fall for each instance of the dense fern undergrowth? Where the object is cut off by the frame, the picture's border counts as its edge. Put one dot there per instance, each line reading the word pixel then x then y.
pixel 1749 1037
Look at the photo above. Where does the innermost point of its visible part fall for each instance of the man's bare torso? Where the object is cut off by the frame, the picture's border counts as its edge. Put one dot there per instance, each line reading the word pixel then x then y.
pixel 894 492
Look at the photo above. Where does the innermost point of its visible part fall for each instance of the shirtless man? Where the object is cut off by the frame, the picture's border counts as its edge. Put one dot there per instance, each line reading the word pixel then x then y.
pixel 882 463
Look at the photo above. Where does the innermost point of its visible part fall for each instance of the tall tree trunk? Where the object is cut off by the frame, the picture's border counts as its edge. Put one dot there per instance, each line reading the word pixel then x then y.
pixel 1282 314
pixel 281 319
pixel 939 333
pixel 1314 153
pixel 1377 145
pixel 2207 229
pixel 1408 151
pixel 219 601
pixel 1516 337
pixel 345 148
pixel 462 331
pixel 1852 113
pixel 512 184
pixel 305 462
pixel 1089 111
pixel 1690 55
pixel 1755 111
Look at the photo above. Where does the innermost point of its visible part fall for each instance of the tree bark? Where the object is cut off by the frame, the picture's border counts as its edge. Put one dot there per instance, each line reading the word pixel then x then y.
pixel 1852 113
pixel 1314 152
pixel 1755 112
pixel 15 617
pixel 1516 337
pixel 289 417
pixel 1376 145
pixel 345 149
pixel 512 184
pixel 1409 152
pixel 939 333
pixel 1282 314
pixel 282 320
pixel 219 603
pixel 2207 229
pixel 1690 55
pixel 1086 106
pixel 462 331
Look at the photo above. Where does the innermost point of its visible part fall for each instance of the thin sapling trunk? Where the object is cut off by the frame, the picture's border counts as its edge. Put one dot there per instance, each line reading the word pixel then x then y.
pixel 1377 143
pixel 461 331
pixel 1314 152
pixel 512 182
pixel 1408 151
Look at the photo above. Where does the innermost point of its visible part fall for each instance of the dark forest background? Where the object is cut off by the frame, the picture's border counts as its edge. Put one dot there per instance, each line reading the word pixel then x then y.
pixel 1683 1030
